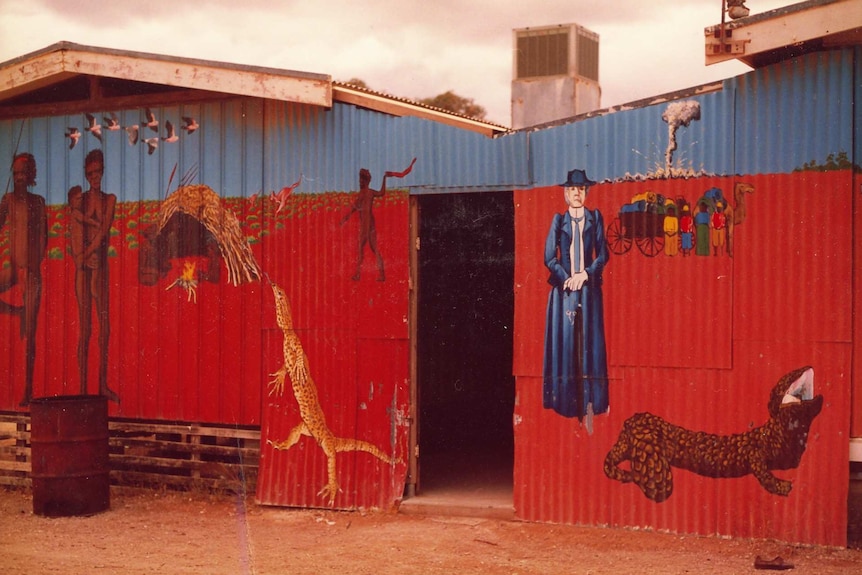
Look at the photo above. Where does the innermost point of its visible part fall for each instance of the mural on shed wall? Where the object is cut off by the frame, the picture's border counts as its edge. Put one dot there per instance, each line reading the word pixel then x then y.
pixel 575 372
pixel 181 243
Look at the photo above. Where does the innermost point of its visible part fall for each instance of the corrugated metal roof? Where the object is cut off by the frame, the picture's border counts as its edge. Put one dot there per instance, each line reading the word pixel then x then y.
pixel 357 95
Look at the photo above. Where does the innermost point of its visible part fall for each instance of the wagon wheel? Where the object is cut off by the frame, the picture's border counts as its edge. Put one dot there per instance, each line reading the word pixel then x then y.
pixel 618 242
pixel 650 245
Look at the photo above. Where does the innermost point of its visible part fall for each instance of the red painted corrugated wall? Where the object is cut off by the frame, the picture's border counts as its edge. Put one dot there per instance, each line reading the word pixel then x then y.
pixel 354 333
pixel 699 341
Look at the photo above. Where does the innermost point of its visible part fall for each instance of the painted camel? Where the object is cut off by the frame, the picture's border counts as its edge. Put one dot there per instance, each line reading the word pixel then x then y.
pixel 736 214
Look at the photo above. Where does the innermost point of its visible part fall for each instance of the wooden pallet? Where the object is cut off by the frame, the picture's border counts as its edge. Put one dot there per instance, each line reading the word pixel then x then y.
pixel 153 454
pixel 14 449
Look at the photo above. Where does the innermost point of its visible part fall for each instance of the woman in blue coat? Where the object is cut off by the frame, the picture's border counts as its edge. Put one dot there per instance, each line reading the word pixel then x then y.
pixel 575 374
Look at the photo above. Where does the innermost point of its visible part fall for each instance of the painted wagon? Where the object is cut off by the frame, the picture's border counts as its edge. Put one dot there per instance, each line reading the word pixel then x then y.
pixel 644 228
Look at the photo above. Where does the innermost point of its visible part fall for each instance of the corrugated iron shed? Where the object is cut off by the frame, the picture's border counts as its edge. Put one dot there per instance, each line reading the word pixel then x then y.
pixel 698 340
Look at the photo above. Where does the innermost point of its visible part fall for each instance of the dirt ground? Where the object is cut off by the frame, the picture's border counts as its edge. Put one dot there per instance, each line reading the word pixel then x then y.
pixel 181 533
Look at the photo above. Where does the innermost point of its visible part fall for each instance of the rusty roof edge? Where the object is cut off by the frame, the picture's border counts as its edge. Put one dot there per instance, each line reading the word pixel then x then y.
pixel 65 46
pixel 375 100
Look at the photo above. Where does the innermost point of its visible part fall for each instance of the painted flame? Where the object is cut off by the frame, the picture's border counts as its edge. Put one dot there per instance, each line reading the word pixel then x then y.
pixel 188 274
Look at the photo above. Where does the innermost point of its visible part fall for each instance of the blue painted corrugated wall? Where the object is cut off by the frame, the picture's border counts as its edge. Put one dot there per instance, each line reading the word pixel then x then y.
pixel 771 120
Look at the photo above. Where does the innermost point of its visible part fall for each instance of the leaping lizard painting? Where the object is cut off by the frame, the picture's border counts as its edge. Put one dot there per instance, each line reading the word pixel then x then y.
pixel 313 422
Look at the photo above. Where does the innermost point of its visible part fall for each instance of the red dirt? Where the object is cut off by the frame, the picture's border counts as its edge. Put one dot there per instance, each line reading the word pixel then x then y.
pixel 183 533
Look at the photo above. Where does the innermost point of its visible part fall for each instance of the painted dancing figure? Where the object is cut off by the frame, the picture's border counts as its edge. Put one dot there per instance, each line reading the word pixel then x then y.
pixel 364 207
pixel 27 220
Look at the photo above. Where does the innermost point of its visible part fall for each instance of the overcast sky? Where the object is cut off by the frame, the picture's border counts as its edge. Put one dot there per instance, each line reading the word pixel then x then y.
pixel 407 48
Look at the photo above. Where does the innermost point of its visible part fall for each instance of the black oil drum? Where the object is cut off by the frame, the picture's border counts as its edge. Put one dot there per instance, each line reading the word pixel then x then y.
pixel 69 454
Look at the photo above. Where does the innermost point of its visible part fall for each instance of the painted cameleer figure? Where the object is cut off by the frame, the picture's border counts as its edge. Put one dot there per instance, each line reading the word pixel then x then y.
pixel 702 230
pixel 671 231
pixel 575 373
pixel 686 231
pixel 718 225
pixel 24 213
pixel 92 214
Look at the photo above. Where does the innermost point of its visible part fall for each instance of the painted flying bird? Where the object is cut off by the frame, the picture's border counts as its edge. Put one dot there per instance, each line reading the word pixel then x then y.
pixel 112 123
pixel 132 132
pixel 281 197
pixel 94 127
pixel 74 135
pixel 152 144
pixel 172 135
pixel 151 121
pixel 190 124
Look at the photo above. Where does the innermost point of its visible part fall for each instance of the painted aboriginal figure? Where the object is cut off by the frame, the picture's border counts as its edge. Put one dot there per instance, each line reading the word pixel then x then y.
pixel 92 214
pixel 364 205
pixel 575 377
pixel 23 214
pixel 653 446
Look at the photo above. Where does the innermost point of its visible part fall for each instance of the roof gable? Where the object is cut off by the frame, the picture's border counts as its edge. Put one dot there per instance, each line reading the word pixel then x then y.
pixel 65 60
pixel 67 76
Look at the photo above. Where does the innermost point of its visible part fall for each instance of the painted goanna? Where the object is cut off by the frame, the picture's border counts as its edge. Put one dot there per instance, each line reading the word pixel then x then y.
pixel 313 419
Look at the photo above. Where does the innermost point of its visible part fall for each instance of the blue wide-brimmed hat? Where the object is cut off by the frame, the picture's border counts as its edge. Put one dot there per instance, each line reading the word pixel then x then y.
pixel 577 178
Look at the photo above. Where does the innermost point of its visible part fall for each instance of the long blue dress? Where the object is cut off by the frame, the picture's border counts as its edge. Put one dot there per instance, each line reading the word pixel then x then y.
pixel 575 371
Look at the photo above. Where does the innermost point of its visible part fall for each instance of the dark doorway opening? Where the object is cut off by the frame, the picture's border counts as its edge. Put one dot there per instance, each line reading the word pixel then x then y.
pixel 465 314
